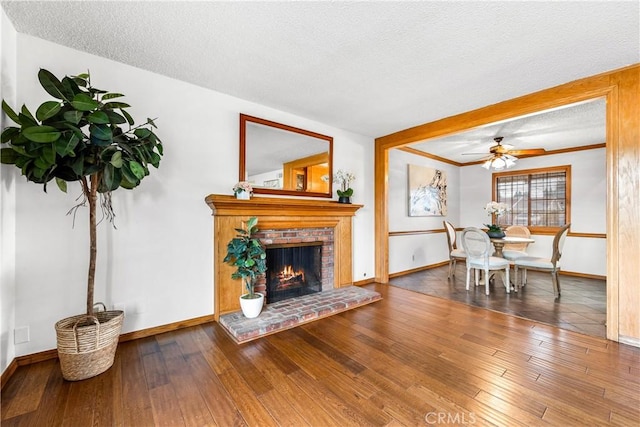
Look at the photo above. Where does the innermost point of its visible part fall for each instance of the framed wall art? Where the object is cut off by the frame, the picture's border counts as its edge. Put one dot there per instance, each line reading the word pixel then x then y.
pixel 427 191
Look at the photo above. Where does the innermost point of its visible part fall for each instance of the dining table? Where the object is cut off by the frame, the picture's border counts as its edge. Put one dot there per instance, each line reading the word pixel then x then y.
pixel 498 245
pixel 499 242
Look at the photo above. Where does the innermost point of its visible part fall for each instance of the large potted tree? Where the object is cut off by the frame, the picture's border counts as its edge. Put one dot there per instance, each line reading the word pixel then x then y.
pixel 248 256
pixel 84 135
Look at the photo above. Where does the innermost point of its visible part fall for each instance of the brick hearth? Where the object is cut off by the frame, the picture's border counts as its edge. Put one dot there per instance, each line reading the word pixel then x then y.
pixel 292 312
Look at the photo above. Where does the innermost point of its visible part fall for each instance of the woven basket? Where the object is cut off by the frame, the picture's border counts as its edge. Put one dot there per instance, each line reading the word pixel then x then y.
pixel 87 344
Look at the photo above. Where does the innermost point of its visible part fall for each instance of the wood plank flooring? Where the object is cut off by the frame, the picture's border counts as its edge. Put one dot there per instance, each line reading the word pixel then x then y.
pixel 409 359
pixel 582 306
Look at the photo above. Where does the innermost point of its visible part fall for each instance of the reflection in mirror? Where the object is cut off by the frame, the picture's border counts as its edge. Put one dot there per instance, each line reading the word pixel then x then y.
pixel 280 159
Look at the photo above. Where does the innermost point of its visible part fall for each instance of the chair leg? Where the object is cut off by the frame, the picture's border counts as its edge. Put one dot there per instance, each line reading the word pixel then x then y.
pixel 468 276
pixel 524 277
pixel 515 278
pixel 450 264
pixel 556 283
pixel 486 282
pixel 453 273
pixel 507 284
pixel 476 277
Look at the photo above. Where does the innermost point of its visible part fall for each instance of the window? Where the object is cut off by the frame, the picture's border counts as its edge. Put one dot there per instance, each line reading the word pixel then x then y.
pixel 538 198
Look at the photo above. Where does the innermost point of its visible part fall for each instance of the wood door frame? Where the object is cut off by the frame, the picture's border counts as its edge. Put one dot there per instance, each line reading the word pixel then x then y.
pixel 621 88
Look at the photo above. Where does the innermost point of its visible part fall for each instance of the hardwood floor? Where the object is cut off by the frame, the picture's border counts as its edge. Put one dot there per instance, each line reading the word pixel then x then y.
pixel 409 359
pixel 582 306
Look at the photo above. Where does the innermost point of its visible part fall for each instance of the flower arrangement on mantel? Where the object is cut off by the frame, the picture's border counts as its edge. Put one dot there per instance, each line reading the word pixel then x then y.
pixel 497 209
pixel 243 190
pixel 344 179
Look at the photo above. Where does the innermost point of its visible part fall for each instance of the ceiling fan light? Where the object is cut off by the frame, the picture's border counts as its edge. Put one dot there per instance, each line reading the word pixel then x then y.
pixel 487 164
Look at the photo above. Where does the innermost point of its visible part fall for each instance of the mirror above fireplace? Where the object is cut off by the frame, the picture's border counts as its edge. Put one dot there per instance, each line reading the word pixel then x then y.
pixel 285 160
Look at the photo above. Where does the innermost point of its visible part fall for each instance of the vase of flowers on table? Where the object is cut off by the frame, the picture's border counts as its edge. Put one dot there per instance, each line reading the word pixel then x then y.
pixel 343 179
pixel 243 190
pixel 497 209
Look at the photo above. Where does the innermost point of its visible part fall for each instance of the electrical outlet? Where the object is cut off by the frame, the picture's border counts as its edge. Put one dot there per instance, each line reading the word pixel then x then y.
pixel 413 257
pixel 364 275
pixel 21 335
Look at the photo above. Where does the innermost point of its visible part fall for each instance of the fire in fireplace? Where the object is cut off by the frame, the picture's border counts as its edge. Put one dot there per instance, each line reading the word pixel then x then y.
pixel 293 269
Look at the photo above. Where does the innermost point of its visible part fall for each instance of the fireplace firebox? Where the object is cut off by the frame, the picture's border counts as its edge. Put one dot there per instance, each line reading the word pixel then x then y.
pixel 293 270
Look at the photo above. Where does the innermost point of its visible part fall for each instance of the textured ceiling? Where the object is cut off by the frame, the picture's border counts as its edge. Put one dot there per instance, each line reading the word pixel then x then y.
pixel 369 67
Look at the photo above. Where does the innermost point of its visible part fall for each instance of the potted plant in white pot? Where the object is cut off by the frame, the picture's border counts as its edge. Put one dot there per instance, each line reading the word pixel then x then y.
pixel 85 136
pixel 247 254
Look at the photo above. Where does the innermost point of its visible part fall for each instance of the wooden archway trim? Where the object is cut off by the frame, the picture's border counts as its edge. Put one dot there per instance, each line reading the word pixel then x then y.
pixel 621 88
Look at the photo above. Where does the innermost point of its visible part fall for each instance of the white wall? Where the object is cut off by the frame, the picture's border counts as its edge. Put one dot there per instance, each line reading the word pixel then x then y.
pixel 159 260
pixel 416 250
pixel 469 190
pixel 588 207
pixel 7 200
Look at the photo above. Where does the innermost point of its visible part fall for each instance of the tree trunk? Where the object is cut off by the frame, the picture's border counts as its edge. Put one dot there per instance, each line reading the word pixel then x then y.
pixel 91 191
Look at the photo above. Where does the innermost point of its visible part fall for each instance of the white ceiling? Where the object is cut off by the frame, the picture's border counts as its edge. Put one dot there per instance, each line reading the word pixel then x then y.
pixel 373 68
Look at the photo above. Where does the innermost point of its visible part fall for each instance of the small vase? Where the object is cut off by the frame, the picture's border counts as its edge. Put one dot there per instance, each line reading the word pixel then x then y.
pixel 243 195
pixel 344 199
pixel 496 234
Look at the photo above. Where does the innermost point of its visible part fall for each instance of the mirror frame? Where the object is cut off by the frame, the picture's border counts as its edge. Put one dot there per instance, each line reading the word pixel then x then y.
pixel 244 119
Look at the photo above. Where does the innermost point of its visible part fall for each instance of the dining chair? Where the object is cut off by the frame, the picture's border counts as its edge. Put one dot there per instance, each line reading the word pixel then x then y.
pixel 455 254
pixel 477 245
pixel 545 264
pixel 512 251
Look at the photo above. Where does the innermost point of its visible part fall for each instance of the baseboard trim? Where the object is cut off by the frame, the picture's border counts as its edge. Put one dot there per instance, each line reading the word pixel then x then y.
pixel 8 373
pixel 583 275
pixel 129 336
pixel 415 270
pixel 364 282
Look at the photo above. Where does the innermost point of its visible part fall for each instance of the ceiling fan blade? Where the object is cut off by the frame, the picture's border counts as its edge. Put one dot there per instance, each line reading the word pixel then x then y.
pixel 474 154
pixel 527 152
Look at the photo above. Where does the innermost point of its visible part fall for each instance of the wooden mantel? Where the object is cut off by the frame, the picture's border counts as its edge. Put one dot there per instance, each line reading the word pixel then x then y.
pixel 275 214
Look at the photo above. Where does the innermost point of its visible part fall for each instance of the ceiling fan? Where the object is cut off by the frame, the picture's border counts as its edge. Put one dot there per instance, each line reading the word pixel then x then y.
pixel 503 156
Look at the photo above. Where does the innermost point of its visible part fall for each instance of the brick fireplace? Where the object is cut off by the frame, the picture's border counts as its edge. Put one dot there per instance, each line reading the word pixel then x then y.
pixel 281 221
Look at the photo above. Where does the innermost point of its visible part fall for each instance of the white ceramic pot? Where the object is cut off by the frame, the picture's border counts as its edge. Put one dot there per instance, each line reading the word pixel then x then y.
pixel 243 195
pixel 251 308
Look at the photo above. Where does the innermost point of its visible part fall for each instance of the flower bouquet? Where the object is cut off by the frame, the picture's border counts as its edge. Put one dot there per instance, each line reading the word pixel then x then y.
pixel 497 209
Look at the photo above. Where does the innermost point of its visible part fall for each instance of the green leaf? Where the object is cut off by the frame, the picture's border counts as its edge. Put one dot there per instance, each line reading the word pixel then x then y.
pixel 100 132
pixel 9 112
pixel 152 123
pixel 47 110
pixel 41 133
pixel 62 184
pixel 70 87
pixel 9 133
pixel 116 159
pixel 115 118
pixel 137 169
pixel 78 165
pixel 128 176
pixel 26 114
pixel 8 156
pixel 84 102
pixel 111 96
pixel 128 117
pixel 98 117
pixel 111 178
pixel 51 84
pixel 142 133
pixel 65 146
pixel 114 105
pixel 73 116
pixel 155 160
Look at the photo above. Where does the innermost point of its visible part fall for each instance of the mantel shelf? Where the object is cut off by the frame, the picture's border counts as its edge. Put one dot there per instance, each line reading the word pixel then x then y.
pixel 225 205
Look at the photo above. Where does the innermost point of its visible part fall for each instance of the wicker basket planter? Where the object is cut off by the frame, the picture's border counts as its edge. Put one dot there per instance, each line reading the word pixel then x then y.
pixel 87 344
